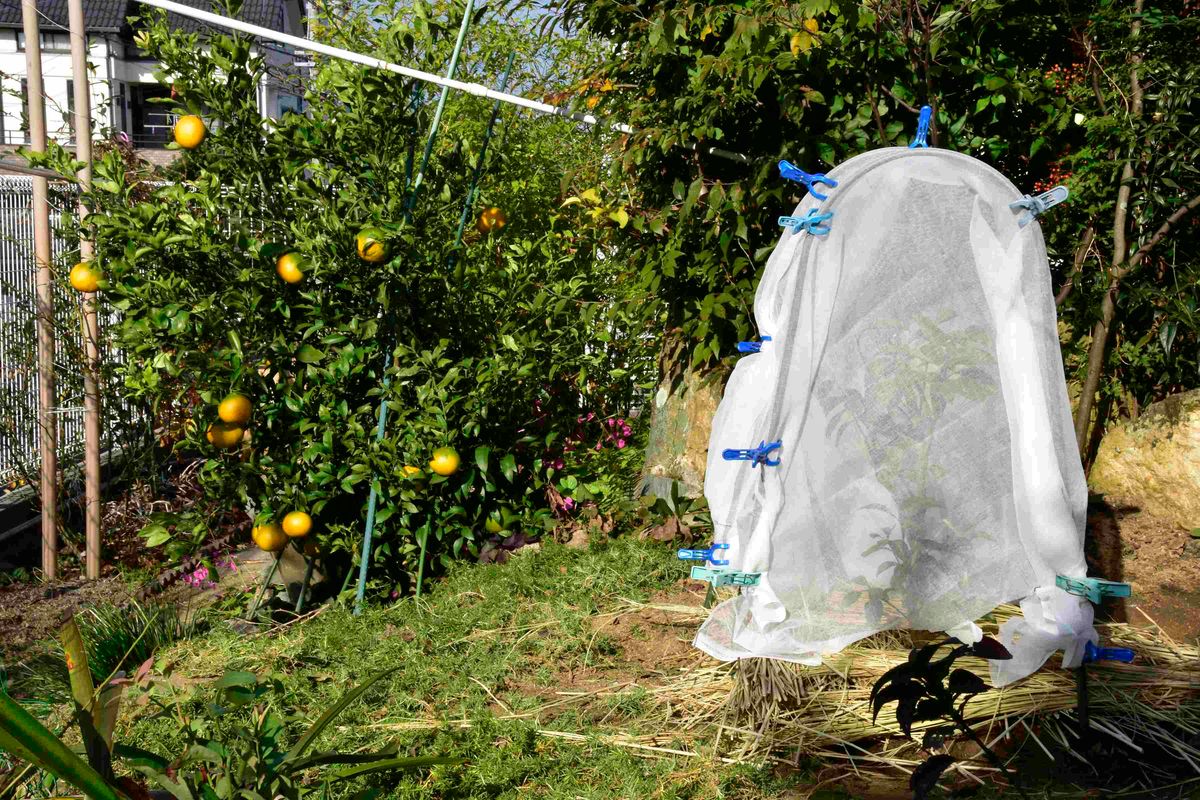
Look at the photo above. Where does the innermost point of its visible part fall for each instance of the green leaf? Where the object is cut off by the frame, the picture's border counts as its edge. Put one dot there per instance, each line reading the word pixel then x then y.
pixel 323 721
pixel 395 764
pixel 481 457
pixel 309 354
pixel 236 678
pixel 508 465
pixel 22 734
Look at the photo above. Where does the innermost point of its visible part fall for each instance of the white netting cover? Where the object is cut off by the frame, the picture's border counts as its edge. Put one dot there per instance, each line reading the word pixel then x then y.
pixel 928 464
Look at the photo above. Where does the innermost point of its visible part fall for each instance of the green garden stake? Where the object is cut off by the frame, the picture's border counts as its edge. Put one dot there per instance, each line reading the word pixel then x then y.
pixel 262 590
pixel 373 497
pixel 308 571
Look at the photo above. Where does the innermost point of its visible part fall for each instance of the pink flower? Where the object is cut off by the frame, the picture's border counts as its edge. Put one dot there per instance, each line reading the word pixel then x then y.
pixel 620 443
pixel 621 422
pixel 599 445
pixel 568 503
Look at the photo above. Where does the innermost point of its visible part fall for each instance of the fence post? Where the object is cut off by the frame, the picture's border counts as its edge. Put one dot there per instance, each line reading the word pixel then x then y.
pixel 47 421
pixel 91 323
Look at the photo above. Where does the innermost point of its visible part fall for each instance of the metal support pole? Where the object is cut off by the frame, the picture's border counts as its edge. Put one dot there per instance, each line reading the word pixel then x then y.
pixel 91 322
pixel 47 422
pixel 373 497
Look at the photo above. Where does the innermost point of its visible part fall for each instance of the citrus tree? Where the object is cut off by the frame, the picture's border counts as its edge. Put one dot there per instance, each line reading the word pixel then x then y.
pixel 289 280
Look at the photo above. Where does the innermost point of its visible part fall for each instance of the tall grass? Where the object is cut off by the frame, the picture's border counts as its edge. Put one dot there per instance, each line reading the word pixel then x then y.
pixel 117 637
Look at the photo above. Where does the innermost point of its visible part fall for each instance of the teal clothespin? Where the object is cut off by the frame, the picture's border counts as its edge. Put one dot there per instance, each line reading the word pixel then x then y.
pixel 723 577
pixel 1094 589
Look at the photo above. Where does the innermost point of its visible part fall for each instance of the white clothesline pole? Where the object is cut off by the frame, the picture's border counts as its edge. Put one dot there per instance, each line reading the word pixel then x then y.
pixel 476 89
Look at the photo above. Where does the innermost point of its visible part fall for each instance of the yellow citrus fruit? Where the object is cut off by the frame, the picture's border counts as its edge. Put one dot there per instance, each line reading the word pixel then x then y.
pixel 372 245
pixel 297 524
pixel 288 267
pixel 223 436
pixel 445 461
pixel 234 409
pixel 812 26
pixel 84 277
pixel 492 219
pixel 269 537
pixel 189 131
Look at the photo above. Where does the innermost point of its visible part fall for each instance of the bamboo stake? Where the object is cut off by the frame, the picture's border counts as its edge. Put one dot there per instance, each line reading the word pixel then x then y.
pixel 45 294
pixel 91 321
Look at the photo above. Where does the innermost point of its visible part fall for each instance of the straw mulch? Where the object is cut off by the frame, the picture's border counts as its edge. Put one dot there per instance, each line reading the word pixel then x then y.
pixel 766 711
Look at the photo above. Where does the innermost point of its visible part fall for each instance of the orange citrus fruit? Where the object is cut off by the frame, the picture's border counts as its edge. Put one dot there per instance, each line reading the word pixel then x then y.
pixel 297 524
pixel 84 277
pixel 269 537
pixel 445 461
pixel 234 409
pixel 288 267
pixel 371 244
pixel 223 436
pixel 492 219
pixel 189 131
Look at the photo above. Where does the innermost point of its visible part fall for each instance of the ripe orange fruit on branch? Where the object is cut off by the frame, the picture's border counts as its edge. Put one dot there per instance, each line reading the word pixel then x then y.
pixel 491 219
pixel 269 537
pixel 223 436
pixel 288 267
pixel 297 524
pixel 371 243
pixel 445 461
pixel 189 131
pixel 84 277
pixel 234 409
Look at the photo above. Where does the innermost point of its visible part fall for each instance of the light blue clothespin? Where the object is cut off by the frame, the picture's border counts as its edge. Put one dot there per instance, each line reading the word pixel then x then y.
pixel 922 128
pixel 752 347
pixel 1094 589
pixel 1038 205
pixel 1092 653
pixel 757 455
pixel 810 222
pixel 722 577
pixel 794 173
pixel 707 554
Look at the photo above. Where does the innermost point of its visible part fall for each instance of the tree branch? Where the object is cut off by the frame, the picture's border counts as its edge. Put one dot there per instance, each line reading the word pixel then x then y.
pixel 906 106
pixel 1081 254
pixel 1160 234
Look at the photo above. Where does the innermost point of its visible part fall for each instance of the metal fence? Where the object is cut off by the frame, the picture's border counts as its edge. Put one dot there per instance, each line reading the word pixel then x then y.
pixel 18 337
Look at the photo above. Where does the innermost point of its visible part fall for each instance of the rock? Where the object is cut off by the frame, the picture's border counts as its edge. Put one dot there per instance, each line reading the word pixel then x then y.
pixel 1154 461
pixel 677 450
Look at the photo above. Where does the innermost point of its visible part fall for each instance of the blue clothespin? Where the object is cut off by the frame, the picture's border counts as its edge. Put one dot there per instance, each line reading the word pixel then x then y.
pixel 1093 589
pixel 1092 653
pixel 752 347
pixel 793 173
pixel 723 577
pixel 922 128
pixel 757 455
pixel 1038 205
pixel 707 554
pixel 811 222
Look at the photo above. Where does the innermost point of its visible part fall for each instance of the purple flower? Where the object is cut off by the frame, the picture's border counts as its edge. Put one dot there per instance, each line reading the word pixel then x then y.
pixel 568 503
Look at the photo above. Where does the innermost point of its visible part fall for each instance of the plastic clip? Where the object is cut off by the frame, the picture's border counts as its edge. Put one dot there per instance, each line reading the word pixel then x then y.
pixel 707 554
pixel 811 222
pixel 922 128
pixel 723 577
pixel 752 347
pixel 794 173
pixel 1092 653
pixel 757 455
pixel 1093 589
pixel 1039 204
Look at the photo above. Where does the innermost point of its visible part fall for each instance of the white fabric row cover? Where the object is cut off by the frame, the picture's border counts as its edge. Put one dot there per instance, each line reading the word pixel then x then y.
pixel 928 469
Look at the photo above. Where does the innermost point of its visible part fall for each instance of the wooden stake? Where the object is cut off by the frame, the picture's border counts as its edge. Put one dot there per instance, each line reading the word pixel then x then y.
pixel 91 322
pixel 47 422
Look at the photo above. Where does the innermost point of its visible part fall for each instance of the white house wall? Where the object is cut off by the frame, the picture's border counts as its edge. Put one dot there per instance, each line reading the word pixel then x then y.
pixel 56 71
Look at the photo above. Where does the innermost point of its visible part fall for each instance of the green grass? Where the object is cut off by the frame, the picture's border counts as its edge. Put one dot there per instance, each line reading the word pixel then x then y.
pixel 484 634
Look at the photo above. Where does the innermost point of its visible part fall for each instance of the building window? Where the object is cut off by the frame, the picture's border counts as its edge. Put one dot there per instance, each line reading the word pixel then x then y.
pixel 52 42
pixel 24 111
pixel 70 126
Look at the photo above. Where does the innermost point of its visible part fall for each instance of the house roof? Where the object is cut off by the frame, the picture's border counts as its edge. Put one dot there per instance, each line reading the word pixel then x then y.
pixel 108 16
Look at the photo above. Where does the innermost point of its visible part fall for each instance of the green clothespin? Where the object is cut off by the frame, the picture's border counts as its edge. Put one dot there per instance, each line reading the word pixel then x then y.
pixel 722 577
pixel 1094 589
